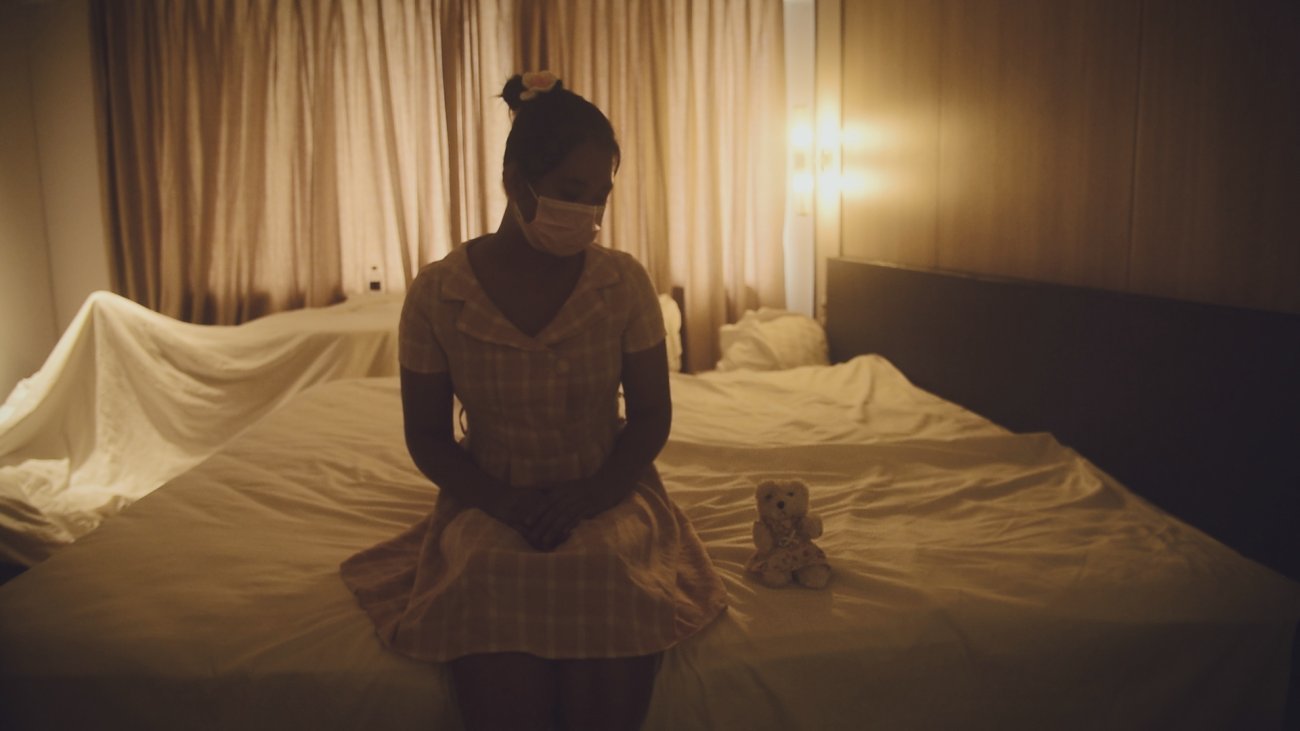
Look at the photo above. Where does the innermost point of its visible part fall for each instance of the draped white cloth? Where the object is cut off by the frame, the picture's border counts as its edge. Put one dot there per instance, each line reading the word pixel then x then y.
pixel 129 399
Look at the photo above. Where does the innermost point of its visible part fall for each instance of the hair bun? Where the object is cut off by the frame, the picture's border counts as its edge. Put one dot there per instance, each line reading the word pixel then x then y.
pixel 528 86
pixel 511 91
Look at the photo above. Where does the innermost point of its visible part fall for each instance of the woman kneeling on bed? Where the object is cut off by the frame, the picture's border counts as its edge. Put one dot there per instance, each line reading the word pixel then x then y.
pixel 554 570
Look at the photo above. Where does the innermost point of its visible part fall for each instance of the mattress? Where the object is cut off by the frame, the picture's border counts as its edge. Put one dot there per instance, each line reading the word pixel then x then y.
pixel 982 579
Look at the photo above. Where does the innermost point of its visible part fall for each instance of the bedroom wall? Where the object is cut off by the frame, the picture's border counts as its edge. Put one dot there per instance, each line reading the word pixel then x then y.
pixel 52 240
pixel 1135 146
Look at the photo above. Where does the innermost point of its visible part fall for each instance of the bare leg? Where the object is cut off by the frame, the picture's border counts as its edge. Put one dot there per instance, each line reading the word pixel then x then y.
pixel 606 693
pixel 505 690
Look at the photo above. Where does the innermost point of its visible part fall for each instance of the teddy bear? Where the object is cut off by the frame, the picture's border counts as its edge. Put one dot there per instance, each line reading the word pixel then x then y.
pixel 783 535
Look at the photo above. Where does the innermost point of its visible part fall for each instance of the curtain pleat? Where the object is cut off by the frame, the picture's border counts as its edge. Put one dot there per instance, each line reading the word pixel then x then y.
pixel 269 155
pixel 696 93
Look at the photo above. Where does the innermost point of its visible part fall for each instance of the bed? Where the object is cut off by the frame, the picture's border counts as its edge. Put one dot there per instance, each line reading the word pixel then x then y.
pixel 983 578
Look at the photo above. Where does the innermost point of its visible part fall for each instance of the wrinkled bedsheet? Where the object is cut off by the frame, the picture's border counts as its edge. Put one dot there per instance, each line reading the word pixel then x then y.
pixel 982 579
pixel 124 381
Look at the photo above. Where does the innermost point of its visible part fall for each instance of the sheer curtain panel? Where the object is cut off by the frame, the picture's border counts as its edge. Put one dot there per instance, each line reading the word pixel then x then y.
pixel 696 92
pixel 268 155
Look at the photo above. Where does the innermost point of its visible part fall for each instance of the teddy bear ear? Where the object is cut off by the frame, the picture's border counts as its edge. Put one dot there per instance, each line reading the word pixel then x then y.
pixel 764 485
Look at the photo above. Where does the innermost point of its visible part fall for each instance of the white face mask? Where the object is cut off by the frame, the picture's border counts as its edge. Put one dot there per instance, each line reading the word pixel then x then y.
pixel 560 228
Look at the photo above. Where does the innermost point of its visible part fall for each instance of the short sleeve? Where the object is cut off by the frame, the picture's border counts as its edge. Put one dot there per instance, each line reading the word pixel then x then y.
pixel 645 323
pixel 418 348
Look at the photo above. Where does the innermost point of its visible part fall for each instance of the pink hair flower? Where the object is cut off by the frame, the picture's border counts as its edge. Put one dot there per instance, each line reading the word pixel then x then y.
pixel 537 82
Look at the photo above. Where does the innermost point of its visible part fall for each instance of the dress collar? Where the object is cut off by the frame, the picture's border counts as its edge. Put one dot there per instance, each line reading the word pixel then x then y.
pixel 481 319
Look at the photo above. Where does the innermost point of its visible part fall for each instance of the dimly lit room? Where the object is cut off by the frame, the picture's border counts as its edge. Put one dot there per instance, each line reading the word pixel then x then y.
pixel 662 364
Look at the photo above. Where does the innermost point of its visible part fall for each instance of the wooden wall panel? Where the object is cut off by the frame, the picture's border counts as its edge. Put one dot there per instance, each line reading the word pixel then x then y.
pixel 1217 195
pixel 1147 146
pixel 891 121
pixel 1037 110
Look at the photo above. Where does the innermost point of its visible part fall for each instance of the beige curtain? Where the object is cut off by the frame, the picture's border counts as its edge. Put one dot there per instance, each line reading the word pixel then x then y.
pixel 696 92
pixel 267 155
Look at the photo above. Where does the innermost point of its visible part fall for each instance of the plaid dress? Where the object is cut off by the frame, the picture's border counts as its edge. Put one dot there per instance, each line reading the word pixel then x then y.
pixel 633 581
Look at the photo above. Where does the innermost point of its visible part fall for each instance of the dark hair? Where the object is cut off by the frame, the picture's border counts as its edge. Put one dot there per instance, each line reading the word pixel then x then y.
pixel 548 126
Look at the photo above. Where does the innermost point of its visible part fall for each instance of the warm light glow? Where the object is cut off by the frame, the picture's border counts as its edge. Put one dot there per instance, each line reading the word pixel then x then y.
pixel 862 183
pixel 828 135
pixel 833 162
pixel 865 137
pixel 828 163
pixel 801 136
pixel 828 185
pixel 802 150
pixel 842 157
pixel 802 183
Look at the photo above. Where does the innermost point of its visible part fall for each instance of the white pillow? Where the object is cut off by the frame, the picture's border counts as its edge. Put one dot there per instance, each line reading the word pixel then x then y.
pixel 673 330
pixel 770 340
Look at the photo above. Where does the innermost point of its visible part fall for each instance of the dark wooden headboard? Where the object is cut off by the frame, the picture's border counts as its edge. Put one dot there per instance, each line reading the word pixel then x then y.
pixel 1195 407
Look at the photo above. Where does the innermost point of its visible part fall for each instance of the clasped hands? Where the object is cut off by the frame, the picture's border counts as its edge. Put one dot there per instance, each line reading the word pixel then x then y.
pixel 546 515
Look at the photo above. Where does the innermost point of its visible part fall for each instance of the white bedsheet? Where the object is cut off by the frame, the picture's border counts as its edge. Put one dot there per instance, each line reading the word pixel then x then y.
pixel 982 580
pixel 124 381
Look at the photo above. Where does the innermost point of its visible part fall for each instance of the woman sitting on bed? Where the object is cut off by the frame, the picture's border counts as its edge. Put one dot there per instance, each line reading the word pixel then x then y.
pixel 554 569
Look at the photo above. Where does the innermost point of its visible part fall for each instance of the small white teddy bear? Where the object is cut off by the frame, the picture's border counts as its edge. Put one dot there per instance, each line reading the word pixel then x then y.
pixel 783 535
